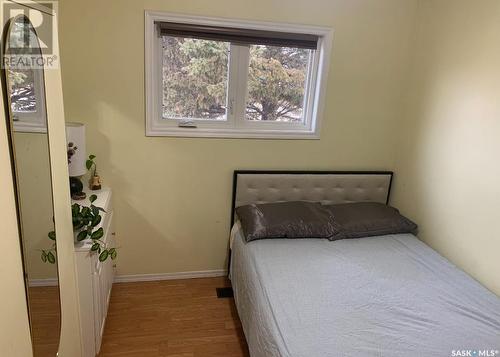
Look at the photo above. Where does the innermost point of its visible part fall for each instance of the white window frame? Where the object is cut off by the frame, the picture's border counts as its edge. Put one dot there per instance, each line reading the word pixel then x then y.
pixel 33 122
pixel 236 126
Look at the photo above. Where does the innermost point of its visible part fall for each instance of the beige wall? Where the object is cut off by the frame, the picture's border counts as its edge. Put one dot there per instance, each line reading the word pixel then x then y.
pixel 35 189
pixel 172 195
pixel 448 165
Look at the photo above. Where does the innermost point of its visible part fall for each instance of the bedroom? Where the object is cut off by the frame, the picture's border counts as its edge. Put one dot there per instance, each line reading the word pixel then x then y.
pixel 407 86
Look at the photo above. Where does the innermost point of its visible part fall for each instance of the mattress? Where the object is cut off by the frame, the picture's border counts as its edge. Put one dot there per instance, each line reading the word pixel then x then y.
pixel 380 296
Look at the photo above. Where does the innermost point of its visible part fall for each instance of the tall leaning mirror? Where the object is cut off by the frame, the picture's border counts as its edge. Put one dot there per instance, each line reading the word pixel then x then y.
pixel 24 91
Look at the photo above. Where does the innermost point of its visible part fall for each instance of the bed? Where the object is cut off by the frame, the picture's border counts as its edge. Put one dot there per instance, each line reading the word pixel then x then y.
pixel 388 295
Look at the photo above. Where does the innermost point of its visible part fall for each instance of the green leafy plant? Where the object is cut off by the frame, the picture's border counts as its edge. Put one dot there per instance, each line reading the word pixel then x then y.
pixel 85 222
pixel 48 255
pixel 90 162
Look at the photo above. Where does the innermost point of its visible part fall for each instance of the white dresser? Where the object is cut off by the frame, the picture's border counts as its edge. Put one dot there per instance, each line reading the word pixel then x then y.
pixel 95 278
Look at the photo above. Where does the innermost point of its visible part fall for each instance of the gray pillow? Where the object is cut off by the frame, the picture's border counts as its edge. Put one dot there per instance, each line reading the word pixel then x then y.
pixel 295 219
pixel 365 219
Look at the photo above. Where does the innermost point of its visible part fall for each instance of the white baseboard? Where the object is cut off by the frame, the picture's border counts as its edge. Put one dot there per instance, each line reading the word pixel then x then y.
pixel 170 276
pixel 144 277
pixel 43 282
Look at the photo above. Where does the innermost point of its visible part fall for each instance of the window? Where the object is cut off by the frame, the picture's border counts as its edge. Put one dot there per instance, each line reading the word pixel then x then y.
pixel 194 79
pixel 209 77
pixel 25 81
pixel 277 83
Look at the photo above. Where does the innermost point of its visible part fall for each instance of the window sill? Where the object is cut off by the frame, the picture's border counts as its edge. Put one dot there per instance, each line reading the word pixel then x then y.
pixel 27 127
pixel 233 133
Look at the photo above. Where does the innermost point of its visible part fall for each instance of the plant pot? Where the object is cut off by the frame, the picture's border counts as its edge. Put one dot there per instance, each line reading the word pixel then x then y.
pixel 95 183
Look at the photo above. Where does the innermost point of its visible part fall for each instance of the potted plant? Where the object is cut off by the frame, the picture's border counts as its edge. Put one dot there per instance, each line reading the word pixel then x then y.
pixel 85 222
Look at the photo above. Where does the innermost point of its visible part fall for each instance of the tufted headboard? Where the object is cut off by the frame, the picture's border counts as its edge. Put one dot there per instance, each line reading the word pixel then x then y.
pixel 317 186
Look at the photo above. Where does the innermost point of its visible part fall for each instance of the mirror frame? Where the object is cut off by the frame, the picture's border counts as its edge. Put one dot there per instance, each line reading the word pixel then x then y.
pixel 70 337
pixel 15 337
pixel 12 129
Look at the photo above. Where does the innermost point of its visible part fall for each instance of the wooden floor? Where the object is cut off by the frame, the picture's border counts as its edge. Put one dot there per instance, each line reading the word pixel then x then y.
pixel 45 319
pixel 174 318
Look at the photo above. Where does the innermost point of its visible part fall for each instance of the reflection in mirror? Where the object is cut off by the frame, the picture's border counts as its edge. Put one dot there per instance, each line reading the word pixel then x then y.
pixel 26 83
pixel 26 101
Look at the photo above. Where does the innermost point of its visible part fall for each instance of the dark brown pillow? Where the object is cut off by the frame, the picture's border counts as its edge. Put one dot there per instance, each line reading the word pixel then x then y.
pixel 366 219
pixel 295 219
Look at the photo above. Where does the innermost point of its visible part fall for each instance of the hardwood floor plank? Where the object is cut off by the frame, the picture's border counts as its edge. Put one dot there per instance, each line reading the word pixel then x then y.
pixel 45 318
pixel 173 318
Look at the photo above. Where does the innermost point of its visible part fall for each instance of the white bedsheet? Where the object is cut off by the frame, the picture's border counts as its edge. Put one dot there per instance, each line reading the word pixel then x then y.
pixel 381 296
